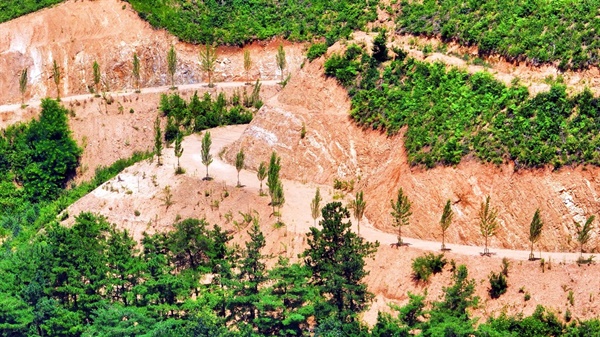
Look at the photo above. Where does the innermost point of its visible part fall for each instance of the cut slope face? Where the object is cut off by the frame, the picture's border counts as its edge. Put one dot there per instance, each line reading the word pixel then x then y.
pixel 335 148
pixel 77 33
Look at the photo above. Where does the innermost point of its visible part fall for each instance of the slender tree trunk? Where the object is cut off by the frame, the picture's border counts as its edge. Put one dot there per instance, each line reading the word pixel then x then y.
pixel 358 226
pixel 531 254
pixel 238 178
pixel 206 172
pixel 443 240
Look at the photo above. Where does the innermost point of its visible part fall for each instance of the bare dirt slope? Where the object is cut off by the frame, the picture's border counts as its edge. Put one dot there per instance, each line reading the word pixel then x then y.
pixel 336 148
pixel 77 33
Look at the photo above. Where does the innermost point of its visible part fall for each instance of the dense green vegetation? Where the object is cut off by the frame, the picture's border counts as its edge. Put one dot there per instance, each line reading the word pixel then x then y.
pixel 451 114
pixel 11 9
pixel 536 30
pixel 239 22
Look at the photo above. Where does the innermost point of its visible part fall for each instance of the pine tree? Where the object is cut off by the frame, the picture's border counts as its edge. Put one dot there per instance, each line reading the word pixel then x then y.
pixel 445 221
pixel 239 164
pixel 280 59
pixel 56 77
pixel 358 206
pixel 97 77
pixel 178 149
pixel 205 152
pixel 583 233
pixel 487 222
pixel 401 213
pixel 315 206
pixel 136 72
pixel 23 85
pixel 247 65
pixel 158 142
pixel 172 65
pixel 278 200
pixel 336 258
pixel 535 230
pixel 273 172
pixel 261 174
pixel 208 61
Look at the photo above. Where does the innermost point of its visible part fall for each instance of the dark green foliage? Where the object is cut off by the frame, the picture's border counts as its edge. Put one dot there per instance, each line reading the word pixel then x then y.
pixel 380 51
pixel 336 258
pixel 451 114
pixel 424 266
pixel 533 30
pixel 498 284
pixel 239 22
pixel 200 114
pixel 316 50
pixel 10 9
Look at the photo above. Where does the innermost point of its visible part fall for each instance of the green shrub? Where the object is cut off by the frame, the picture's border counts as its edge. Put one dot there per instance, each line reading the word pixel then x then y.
pixel 498 285
pixel 316 50
pixel 424 266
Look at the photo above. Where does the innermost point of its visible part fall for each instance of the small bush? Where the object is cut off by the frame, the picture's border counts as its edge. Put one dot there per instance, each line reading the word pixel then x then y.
pixel 316 50
pixel 136 213
pixel 424 266
pixel 498 285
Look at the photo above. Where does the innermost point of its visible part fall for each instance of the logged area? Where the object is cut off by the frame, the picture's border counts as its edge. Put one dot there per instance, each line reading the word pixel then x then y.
pixel 561 32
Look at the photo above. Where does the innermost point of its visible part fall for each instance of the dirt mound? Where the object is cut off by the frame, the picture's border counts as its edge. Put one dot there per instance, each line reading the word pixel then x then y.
pixel 77 33
pixel 335 148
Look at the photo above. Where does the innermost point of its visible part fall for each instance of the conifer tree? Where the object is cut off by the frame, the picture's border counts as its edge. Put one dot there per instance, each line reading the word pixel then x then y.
pixel 445 221
pixel 584 233
pixel 273 172
pixel 535 230
pixel 278 200
pixel 158 142
pixel 401 213
pixel 205 152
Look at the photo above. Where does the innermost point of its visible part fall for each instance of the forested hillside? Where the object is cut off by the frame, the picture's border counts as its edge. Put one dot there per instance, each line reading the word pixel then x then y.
pixel 451 113
pixel 239 22
pixel 565 32
pixel 10 9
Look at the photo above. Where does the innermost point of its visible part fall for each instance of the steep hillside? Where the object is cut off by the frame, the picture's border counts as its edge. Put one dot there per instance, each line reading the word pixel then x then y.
pixel 334 147
pixel 77 33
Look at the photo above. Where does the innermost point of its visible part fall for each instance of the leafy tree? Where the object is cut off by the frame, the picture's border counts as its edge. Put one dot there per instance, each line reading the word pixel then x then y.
pixel 445 221
pixel 273 173
pixel 584 233
pixel 358 206
pixel 172 65
pixel 136 71
pixel 498 285
pixel 158 143
pixel 205 152
pixel 178 149
pixel 56 76
pixel 488 223
pixel 315 206
pixel 208 61
pixel 380 51
pixel 335 256
pixel 280 60
pixel 535 230
pixel 401 213
pixel 23 85
pixel 278 200
pixel 247 65
pixel 239 164
pixel 97 77
pixel 261 174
